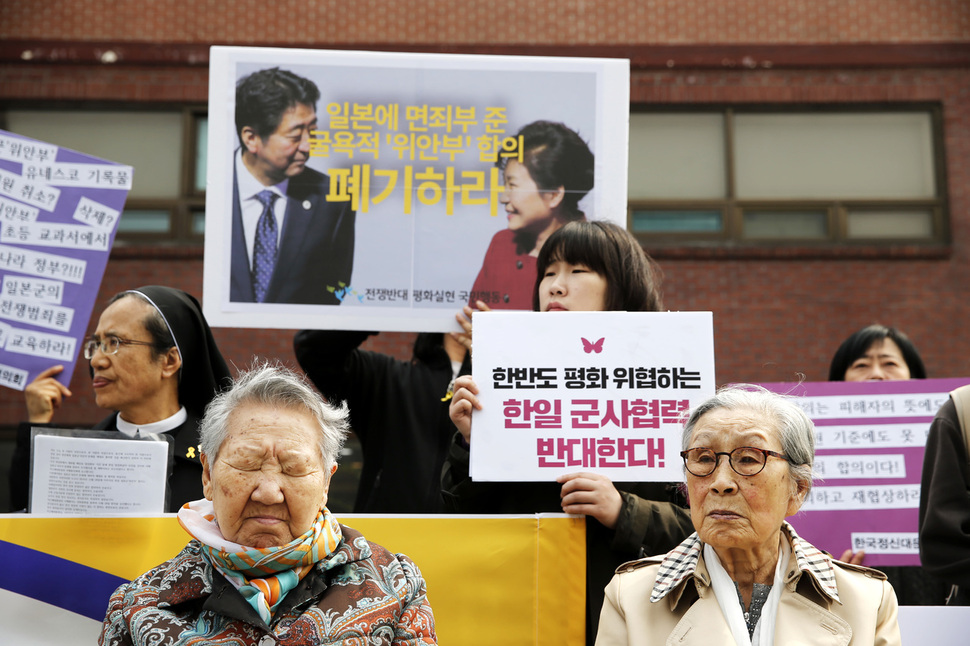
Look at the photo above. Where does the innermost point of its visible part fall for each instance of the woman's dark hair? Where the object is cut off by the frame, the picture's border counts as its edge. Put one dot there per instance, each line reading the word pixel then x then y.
pixel 263 97
pixel 429 349
pixel 557 156
pixel 162 339
pixel 860 342
pixel 632 277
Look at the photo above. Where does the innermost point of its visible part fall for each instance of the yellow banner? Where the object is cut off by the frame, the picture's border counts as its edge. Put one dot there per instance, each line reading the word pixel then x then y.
pixel 521 576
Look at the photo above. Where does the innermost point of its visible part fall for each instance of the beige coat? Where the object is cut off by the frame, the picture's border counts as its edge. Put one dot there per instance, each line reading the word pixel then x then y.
pixel 690 616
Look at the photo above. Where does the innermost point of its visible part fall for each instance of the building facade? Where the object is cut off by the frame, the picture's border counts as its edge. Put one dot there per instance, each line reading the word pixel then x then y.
pixel 801 169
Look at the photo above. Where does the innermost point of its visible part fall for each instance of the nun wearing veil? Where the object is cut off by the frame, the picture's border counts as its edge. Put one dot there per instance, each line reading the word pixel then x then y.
pixel 155 365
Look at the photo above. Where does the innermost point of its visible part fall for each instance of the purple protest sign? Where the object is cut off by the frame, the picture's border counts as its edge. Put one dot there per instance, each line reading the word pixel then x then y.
pixel 59 211
pixel 869 443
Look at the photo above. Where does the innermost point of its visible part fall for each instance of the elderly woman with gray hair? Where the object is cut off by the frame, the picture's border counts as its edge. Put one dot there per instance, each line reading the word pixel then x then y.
pixel 745 577
pixel 268 563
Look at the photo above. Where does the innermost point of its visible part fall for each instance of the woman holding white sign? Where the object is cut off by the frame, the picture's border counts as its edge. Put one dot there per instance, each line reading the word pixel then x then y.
pixel 155 364
pixel 583 266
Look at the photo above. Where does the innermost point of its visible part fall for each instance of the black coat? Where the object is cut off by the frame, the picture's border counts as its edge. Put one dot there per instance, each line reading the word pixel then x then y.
pixel 397 410
pixel 944 506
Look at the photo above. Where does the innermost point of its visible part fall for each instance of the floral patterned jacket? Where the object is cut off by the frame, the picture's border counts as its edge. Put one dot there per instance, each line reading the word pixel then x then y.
pixel 360 594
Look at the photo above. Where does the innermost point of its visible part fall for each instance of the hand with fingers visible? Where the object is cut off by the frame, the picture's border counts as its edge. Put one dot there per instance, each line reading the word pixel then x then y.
pixel 464 318
pixel 855 558
pixel 463 402
pixel 591 494
pixel 44 395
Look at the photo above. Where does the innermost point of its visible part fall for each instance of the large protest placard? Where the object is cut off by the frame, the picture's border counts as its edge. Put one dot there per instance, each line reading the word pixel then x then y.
pixel 59 210
pixel 870 439
pixel 388 193
pixel 587 391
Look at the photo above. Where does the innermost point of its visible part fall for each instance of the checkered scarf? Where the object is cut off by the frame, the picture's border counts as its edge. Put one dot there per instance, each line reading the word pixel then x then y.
pixel 262 576
pixel 679 564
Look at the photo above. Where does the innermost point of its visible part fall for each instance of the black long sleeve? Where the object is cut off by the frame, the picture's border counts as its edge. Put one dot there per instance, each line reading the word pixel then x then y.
pixel 944 507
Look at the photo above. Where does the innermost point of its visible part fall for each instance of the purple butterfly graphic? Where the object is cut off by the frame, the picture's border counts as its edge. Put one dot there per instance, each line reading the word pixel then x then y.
pixel 593 346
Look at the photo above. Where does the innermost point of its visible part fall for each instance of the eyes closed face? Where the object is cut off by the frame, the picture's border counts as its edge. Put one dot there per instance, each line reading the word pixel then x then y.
pixel 268 481
pixel 731 511
pixel 568 287
pixel 883 361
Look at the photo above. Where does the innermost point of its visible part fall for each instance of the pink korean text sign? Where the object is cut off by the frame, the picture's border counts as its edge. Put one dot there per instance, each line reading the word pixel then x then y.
pixel 869 444
pixel 604 392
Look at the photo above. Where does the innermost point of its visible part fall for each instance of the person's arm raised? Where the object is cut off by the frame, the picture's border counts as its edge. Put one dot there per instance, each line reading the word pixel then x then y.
pixel 464 318
pixel 44 395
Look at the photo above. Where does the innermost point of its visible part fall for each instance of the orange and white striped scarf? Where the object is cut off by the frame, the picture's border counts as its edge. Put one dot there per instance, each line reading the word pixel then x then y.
pixel 262 576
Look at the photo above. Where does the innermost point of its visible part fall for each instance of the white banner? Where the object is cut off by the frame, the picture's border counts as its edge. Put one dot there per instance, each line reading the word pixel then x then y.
pixel 385 225
pixel 587 391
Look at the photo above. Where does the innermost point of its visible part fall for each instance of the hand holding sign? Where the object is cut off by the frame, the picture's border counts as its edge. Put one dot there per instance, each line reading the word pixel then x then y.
pixel 591 494
pixel 463 402
pixel 464 319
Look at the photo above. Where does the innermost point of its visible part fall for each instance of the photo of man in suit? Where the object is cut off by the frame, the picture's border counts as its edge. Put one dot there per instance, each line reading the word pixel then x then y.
pixel 289 244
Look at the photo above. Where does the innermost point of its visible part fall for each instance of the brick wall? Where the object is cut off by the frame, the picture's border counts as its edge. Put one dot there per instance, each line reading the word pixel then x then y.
pixel 775 316
pixel 781 315
pixel 298 22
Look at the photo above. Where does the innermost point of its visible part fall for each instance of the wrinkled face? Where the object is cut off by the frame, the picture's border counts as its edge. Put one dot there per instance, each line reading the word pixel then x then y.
pixel 732 511
pixel 568 287
pixel 129 380
pixel 268 481
pixel 283 153
pixel 527 207
pixel 883 361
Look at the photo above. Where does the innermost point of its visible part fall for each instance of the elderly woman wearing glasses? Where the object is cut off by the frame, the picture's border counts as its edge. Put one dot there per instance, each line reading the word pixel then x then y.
pixel 155 364
pixel 744 576
pixel 268 563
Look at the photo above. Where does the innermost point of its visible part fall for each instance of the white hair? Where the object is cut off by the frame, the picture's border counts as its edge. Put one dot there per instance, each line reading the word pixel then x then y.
pixel 278 387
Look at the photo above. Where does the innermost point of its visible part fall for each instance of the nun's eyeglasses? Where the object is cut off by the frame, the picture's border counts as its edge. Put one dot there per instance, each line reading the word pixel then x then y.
pixel 745 460
pixel 108 345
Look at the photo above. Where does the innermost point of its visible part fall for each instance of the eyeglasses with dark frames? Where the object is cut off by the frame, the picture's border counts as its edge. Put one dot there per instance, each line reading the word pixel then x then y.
pixel 108 345
pixel 745 460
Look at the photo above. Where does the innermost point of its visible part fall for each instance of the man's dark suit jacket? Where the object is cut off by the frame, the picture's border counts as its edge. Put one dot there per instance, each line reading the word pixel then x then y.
pixel 316 247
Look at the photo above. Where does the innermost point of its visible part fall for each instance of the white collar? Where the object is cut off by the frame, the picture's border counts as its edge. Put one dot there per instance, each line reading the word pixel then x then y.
pixel 248 184
pixel 727 598
pixel 161 426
